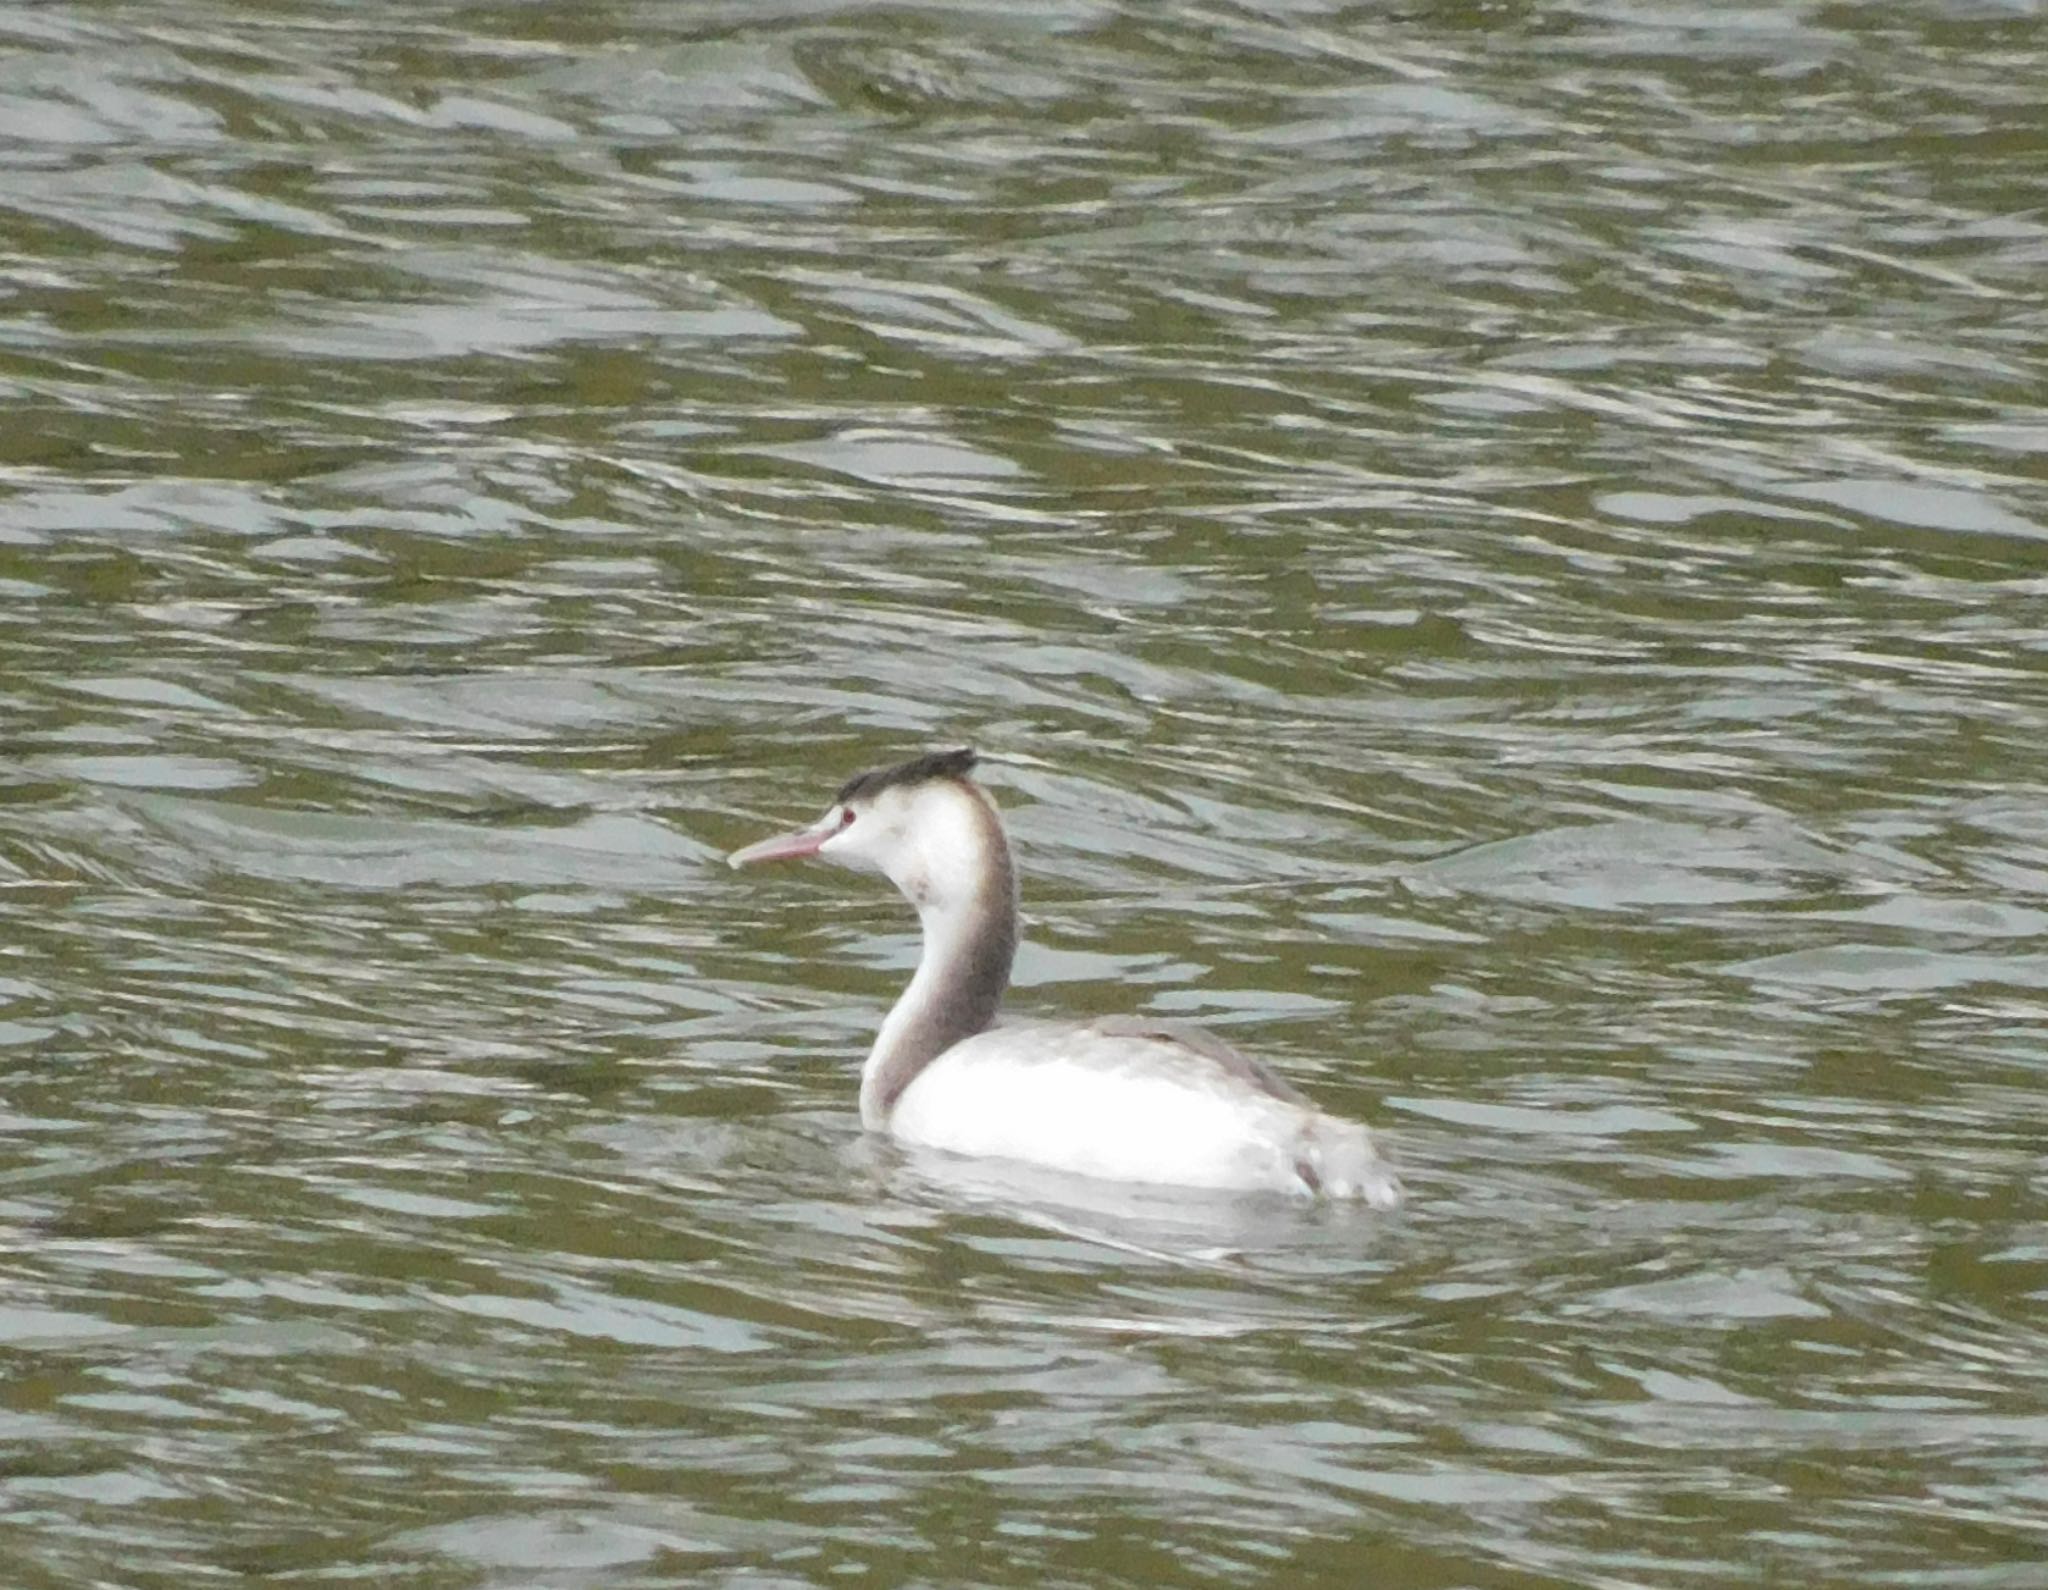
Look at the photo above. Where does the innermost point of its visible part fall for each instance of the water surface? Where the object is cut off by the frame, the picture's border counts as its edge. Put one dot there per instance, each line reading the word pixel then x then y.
pixel 1496 556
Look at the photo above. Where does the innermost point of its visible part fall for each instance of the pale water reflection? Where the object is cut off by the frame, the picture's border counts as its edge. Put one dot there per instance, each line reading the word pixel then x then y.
pixel 1497 558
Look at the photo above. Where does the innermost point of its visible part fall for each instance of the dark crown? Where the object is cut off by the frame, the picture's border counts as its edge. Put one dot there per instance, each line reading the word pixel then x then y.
pixel 919 770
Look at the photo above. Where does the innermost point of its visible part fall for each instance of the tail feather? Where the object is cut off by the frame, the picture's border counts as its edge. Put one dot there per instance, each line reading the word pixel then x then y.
pixel 1336 1159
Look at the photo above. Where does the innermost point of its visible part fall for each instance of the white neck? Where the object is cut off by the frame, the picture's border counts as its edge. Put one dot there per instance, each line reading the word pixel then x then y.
pixel 965 892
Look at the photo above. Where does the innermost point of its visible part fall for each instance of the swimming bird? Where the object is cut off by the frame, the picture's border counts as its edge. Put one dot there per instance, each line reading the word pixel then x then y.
pixel 1124 1098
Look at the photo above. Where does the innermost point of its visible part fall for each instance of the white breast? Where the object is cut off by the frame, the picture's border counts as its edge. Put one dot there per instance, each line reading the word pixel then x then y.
pixel 1133 1106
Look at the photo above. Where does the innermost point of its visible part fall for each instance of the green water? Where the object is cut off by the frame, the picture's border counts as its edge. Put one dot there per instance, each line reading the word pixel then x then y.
pixel 1498 556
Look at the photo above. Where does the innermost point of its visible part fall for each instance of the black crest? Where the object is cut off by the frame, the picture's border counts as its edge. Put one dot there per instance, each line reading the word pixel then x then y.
pixel 919 770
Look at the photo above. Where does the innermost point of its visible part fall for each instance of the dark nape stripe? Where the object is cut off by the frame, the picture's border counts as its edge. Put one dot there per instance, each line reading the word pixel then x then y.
pixel 919 770
pixel 967 995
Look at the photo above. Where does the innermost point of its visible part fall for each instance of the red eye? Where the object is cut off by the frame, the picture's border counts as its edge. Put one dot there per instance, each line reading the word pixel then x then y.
pixel 846 817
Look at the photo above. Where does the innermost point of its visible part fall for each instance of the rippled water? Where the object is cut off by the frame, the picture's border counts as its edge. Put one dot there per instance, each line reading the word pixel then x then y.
pixel 1498 555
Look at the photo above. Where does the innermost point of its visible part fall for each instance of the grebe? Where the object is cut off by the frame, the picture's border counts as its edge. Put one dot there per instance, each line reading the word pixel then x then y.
pixel 1123 1098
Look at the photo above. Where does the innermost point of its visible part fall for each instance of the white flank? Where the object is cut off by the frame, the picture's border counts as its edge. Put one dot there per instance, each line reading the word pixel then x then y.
pixel 1132 1109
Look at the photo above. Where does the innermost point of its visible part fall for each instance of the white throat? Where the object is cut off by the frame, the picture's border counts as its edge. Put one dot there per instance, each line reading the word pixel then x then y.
pixel 954 866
